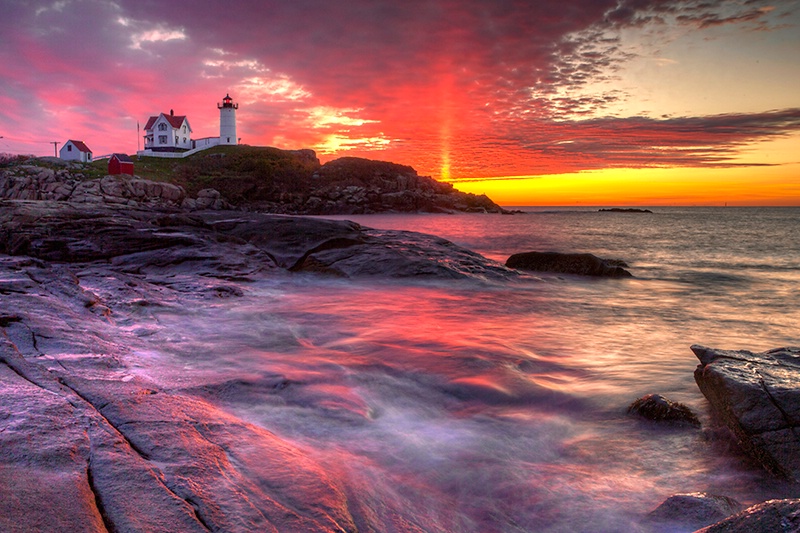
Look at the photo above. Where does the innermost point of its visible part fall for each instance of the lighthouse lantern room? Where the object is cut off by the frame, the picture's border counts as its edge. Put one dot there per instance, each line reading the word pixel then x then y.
pixel 227 121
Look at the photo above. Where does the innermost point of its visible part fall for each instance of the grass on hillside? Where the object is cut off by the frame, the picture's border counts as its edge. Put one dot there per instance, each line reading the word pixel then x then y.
pixel 216 167
pixel 233 170
pixel 238 172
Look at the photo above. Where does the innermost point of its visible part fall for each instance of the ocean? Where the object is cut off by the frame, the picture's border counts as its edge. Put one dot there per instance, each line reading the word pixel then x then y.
pixel 476 406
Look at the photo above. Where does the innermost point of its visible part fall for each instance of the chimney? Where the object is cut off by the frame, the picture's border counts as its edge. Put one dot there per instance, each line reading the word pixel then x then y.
pixel 171 112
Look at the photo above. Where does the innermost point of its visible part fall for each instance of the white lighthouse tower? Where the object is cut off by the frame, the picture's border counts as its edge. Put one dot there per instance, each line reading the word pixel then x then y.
pixel 227 121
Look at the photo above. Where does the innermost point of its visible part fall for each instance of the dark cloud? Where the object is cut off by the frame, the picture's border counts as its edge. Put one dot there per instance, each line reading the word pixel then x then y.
pixel 704 14
pixel 637 142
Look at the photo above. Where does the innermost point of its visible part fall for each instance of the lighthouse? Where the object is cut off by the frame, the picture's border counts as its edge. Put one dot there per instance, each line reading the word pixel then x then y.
pixel 227 121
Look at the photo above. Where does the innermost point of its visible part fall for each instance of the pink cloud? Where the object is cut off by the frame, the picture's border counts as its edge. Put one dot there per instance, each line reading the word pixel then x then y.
pixel 485 87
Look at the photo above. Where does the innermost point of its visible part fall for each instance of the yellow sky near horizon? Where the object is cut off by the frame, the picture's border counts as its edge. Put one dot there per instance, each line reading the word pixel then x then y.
pixel 767 186
pixel 775 185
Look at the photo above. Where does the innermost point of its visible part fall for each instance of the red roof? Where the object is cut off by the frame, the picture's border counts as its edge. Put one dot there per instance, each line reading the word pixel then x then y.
pixel 80 146
pixel 122 158
pixel 176 121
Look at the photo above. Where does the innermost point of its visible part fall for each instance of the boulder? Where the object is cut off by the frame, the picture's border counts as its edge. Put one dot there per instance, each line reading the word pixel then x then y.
pixel 773 515
pixel 580 264
pixel 757 396
pixel 691 511
pixel 400 254
pixel 659 409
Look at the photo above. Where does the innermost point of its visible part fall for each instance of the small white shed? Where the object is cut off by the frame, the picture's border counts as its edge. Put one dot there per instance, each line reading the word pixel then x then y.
pixel 75 151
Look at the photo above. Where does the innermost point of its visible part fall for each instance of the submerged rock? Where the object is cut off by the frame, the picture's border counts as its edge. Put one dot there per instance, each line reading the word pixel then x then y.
pixel 691 511
pixel 773 515
pixel 580 264
pixel 659 409
pixel 757 396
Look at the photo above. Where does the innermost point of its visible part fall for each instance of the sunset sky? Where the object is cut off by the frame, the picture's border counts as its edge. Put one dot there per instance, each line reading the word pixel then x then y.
pixel 591 102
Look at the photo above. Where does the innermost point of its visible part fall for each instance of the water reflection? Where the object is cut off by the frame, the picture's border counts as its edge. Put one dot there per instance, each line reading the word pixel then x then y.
pixel 465 407
pixel 456 406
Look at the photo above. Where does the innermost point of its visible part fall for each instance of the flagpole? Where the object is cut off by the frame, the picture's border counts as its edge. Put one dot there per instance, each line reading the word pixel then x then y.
pixel 137 135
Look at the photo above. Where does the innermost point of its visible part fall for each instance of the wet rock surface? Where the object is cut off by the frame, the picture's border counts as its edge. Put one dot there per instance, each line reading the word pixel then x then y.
pixel 228 244
pixel 90 441
pixel 88 446
pixel 562 263
pixel 686 512
pixel 773 515
pixel 757 396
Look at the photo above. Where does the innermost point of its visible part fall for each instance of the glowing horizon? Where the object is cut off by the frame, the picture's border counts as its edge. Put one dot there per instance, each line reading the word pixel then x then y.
pixel 618 90
pixel 643 188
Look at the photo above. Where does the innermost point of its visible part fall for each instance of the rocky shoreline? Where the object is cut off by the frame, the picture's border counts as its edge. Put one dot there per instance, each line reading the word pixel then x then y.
pixel 33 182
pixel 87 443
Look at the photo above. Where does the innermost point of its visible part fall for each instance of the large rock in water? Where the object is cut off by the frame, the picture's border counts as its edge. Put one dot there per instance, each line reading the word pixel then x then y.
pixel 580 264
pixel 757 395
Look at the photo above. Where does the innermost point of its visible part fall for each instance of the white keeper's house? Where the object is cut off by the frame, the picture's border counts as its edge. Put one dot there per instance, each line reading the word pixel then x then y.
pixel 167 133
pixel 171 135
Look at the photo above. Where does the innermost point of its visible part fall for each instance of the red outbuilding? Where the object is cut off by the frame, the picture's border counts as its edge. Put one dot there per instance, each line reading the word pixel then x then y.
pixel 120 164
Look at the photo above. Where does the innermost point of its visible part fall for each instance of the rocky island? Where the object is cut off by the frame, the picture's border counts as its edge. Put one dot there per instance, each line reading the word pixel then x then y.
pixel 253 178
pixel 624 210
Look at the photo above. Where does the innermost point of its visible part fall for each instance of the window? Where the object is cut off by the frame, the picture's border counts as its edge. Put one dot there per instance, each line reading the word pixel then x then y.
pixel 184 139
pixel 176 139
pixel 162 127
pixel 162 139
pixel 69 148
pixel 184 129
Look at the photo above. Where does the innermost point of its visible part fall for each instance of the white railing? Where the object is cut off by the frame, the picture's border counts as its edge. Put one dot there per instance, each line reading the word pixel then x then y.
pixel 179 155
